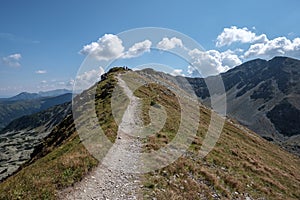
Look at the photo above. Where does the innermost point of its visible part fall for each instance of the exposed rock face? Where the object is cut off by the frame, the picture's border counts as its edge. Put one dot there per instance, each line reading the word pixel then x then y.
pixel 264 96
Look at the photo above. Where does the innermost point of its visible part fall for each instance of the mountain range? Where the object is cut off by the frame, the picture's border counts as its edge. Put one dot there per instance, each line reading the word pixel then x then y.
pixel 261 95
pixel 30 96
pixel 265 97
pixel 30 103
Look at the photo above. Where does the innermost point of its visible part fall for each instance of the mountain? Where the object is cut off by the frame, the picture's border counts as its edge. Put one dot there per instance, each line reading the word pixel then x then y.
pixel 30 96
pixel 22 96
pixel 26 104
pixel 264 96
pixel 261 95
pixel 22 136
pixel 242 165
pixel 53 93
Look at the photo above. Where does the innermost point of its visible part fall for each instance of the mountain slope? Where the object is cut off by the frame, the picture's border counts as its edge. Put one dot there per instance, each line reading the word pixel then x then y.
pixel 266 98
pixel 22 136
pixel 242 164
pixel 26 104
pixel 262 95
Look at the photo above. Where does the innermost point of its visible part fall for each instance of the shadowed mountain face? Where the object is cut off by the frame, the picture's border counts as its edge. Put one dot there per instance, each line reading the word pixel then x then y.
pixel 264 96
pixel 29 103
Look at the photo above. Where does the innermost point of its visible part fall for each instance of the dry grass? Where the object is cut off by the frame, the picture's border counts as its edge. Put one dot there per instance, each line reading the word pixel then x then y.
pixel 63 159
pixel 60 168
pixel 241 162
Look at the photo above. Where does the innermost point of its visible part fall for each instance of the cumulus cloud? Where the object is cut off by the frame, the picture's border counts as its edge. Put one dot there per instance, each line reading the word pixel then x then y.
pixel 88 78
pixel 41 72
pixel 167 44
pixel 177 72
pixel 106 48
pixel 110 47
pixel 280 46
pixel 212 62
pixel 12 60
pixel 242 35
pixel 138 49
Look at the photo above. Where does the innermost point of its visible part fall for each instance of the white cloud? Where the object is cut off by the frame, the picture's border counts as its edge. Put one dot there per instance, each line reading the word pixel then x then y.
pixel 280 46
pixel 235 34
pixel 88 78
pixel 190 69
pixel 259 45
pixel 12 60
pixel 192 72
pixel 177 72
pixel 110 47
pixel 106 48
pixel 212 62
pixel 167 44
pixel 138 49
pixel 41 72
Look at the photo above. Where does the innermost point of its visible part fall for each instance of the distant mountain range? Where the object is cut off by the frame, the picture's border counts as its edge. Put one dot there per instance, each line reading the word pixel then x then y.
pixel 30 103
pixel 29 96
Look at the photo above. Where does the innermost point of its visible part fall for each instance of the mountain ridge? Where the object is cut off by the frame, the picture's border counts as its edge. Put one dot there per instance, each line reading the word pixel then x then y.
pixel 29 95
pixel 256 90
pixel 13 109
pixel 242 164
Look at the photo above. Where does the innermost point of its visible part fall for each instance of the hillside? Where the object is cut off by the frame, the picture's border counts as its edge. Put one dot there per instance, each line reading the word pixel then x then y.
pixel 22 136
pixel 27 104
pixel 264 96
pixel 261 95
pixel 241 166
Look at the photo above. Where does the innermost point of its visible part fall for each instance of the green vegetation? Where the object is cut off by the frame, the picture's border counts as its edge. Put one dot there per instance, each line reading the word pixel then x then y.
pixel 60 168
pixel 154 95
pixel 241 163
pixel 61 160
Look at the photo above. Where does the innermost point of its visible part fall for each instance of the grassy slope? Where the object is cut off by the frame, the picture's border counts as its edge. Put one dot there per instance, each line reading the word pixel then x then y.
pixel 62 159
pixel 241 162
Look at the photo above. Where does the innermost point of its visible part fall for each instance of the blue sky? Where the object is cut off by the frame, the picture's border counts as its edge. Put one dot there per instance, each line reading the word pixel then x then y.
pixel 40 41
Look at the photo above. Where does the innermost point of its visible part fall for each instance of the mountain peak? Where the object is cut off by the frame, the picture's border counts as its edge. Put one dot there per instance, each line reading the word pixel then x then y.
pixel 24 96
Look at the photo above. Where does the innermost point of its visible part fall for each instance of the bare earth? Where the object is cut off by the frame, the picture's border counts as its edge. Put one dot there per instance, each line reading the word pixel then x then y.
pixel 114 177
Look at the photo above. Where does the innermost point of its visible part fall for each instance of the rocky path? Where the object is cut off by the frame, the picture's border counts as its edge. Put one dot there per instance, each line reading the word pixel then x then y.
pixel 114 178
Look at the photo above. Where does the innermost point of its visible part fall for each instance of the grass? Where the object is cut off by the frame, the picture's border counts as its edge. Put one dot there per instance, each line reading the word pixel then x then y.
pixel 62 159
pixel 62 167
pixel 241 163
pixel 151 96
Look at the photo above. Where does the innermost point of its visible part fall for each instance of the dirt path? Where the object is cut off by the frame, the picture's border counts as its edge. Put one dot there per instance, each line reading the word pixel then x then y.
pixel 113 178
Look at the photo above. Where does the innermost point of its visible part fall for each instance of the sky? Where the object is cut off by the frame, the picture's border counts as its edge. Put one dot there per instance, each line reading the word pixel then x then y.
pixel 46 45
